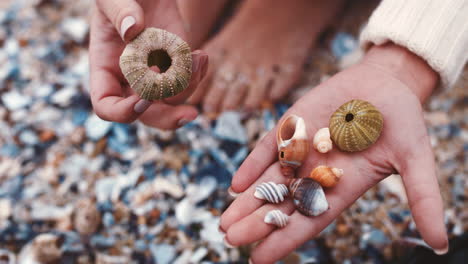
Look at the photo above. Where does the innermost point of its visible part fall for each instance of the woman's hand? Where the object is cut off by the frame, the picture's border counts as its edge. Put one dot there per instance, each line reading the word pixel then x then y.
pixel 115 22
pixel 393 80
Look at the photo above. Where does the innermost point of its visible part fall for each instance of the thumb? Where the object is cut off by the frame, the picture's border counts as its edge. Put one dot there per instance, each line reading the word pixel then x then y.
pixel 419 177
pixel 126 16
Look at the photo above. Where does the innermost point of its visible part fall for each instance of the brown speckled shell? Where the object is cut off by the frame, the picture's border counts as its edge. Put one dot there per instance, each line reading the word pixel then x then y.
pixel 151 85
pixel 355 126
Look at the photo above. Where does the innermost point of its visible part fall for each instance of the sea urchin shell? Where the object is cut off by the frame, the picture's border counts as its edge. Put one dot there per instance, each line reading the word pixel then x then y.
pixel 157 47
pixel 355 126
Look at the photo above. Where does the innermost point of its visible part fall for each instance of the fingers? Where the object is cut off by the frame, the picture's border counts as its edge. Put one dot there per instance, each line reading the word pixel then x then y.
pixel 301 228
pixel 424 197
pixel 126 16
pixel 110 104
pixel 254 225
pixel 108 101
pixel 166 116
pixel 256 163
pixel 245 203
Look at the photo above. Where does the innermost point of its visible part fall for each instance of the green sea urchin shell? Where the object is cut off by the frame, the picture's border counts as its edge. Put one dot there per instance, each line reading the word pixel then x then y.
pixel 161 48
pixel 355 126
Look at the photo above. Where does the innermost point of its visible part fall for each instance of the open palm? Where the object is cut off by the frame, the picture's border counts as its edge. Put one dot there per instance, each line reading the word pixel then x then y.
pixel 403 148
pixel 111 95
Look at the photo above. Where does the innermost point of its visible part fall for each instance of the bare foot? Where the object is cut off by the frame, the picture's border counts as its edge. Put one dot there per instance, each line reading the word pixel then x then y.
pixel 200 17
pixel 260 53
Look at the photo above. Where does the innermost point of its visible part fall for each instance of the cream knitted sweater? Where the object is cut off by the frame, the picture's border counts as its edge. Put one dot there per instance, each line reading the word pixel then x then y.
pixel 435 30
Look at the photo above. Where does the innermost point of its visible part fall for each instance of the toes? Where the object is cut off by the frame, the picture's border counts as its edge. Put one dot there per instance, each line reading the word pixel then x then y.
pixel 258 89
pixel 255 226
pixel 286 76
pixel 223 78
pixel 235 93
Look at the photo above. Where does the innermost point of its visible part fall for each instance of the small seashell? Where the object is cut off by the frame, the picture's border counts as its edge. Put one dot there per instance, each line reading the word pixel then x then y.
pixel 45 248
pixel 322 141
pixel 272 192
pixel 87 217
pixel 276 217
pixel 355 126
pixel 166 50
pixel 293 146
pixel 308 197
pixel 326 176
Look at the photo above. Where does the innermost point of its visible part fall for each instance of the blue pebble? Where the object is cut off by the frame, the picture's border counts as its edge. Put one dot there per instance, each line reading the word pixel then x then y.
pixel 163 253
pixel 108 219
pixel 10 150
pixel 342 44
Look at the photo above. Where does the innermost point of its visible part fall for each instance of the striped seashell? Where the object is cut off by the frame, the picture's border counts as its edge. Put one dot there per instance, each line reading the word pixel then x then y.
pixel 276 217
pixel 308 197
pixel 158 47
pixel 293 144
pixel 355 126
pixel 272 192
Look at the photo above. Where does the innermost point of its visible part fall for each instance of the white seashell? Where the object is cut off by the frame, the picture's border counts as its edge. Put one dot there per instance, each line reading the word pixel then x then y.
pixel 272 192
pixel 276 217
pixel 322 141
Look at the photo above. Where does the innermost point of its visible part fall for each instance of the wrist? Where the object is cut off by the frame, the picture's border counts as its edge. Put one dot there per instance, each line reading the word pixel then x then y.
pixel 405 66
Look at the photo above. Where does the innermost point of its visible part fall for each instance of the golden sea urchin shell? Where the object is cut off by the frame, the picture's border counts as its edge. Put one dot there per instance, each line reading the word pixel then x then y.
pixel 355 126
pixel 158 47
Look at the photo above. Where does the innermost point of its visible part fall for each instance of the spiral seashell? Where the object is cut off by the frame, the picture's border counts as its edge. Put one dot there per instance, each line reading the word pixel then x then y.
pixel 308 197
pixel 293 146
pixel 326 176
pixel 276 217
pixel 322 141
pixel 355 126
pixel 272 192
pixel 158 47
pixel 87 217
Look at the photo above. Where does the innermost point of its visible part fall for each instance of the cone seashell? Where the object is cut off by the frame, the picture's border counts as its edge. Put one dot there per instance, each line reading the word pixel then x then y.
pixel 276 217
pixel 166 50
pixel 87 218
pixel 326 176
pixel 308 197
pixel 293 146
pixel 272 192
pixel 322 141
pixel 355 126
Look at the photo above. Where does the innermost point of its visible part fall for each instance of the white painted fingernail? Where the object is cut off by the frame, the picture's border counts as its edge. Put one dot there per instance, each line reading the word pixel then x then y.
pixel 441 251
pixel 141 106
pixel 232 193
pixel 127 23
pixel 227 244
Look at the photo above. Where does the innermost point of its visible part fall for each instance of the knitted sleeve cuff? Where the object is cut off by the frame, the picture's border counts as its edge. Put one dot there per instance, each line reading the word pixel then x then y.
pixel 435 30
